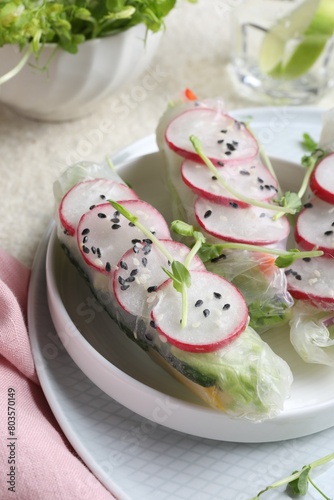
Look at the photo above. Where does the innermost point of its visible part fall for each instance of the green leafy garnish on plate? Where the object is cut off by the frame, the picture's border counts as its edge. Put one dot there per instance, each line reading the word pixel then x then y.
pixel 297 483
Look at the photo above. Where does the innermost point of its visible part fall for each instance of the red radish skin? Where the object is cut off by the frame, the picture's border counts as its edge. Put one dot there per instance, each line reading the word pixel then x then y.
pixel 223 138
pixel 315 227
pixel 86 194
pixel 139 274
pixel 251 225
pixel 250 177
pixel 217 313
pixel 322 179
pixel 312 280
pixel 104 235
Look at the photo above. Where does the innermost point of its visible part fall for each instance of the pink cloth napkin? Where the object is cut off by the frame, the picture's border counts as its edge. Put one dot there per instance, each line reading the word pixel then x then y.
pixel 40 463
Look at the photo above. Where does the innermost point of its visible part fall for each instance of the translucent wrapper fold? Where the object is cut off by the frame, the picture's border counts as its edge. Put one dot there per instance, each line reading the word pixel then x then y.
pixel 262 284
pixel 311 334
pixel 245 379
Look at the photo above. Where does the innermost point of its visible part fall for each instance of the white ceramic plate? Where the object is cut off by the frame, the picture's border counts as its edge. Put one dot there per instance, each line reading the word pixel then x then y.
pixel 126 374
pixel 137 459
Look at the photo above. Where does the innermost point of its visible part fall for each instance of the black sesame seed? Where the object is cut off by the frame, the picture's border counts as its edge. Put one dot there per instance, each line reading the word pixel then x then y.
pixel 206 313
pixel 91 207
pixel 152 289
pixel 226 307
pixel 207 214
pixel 148 336
pixel 108 267
pixel 135 249
pixel 148 241
pixel 260 180
pixel 198 303
pixel 152 324
pixel 328 233
pixel 130 279
pixel 98 251
pixel 135 240
pixel 244 172
pixel 116 213
pixel 134 272
pixel 228 153
pixel 147 249
pixel 220 141
pixel 220 257
pixel 262 214
pixel 220 163
pixel 115 219
pixel 307 259
pixel 101 215
pixel 214 178
pixel 85 249
pixel 125 287
pixel 308 205
pixel 102 197
pixel 93 249
pixel 131 224
pixel 85 231
pixel 144 261
pixel 288 272
pixel 267 186
pixel 235 143
pixel 123 265
pixel 115 226
pixel 233 204
pixel 85 239
pixel 217 295
pixel 298 277
pixel 121 280
pixel 223 131
pixel 230 146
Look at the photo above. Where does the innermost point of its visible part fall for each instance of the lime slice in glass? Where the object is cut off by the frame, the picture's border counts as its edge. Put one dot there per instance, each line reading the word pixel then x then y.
pixel 291 47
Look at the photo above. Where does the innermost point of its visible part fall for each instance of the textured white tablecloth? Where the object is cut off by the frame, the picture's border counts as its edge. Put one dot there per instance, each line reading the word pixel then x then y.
pixel 194 53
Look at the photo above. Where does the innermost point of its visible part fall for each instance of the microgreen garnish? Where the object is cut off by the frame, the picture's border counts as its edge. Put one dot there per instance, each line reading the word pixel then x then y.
pixel 285 258
pixel 132 218
pixel 283 203
pixel 265 158
pixel 308 143
pixel 30 24
pixel 184 229
pixel 209 251
pixel 310 162
pixel 179 273
pixel 181 281
pixel 297 483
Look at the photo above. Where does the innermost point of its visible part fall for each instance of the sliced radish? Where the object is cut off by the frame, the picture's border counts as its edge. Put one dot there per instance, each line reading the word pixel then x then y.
pixel 322 179
pixel 312 280
pixel 217 313
pixel 138 275
pixel 104 235
pixel 250 178
pixel 86 194
pixel 251 225
pixel 223 138
pixel 315 227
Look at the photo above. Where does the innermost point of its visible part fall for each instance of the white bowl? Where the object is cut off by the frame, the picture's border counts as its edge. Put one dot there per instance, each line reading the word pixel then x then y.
pixel 74 83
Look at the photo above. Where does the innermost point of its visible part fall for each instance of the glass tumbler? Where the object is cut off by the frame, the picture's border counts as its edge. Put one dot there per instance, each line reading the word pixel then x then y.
pixel 283 50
